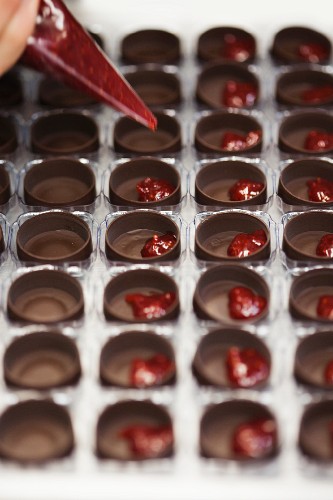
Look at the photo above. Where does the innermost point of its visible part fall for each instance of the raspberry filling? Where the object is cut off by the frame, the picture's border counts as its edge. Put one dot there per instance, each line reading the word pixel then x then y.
pixel 151 189
pixel 246 367
pixel 320 190
pixel 158 245
pixel 245 244
pixel 152 371
pixel 325 306
pixel 318 94
pixel 236 142
pixel 329 373
pixel 313 52
pixel 325 246
pixel 255 439
pixel 318 141
pixel 237 49
pixel 245 189
pixel 150 306
pixel 146 441
pixel 239 94
pixel 244 304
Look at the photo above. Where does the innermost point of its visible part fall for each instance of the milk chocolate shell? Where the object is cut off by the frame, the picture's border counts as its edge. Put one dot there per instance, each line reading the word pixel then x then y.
pixel 127 235
pixel 119 416
pixel 215 233
pixel 45 296
pixel 143 281
pixel 315 434
pixel 287 43
pixel 219 423
pixel 213 181
pixel 42 360
pixel 210 300
pixel 312 356
pixel 55 94
pixel 59 183
pixel 62 133
pixel 8 135
pixel 293 188
pixel 209 364
pixel 35 432
pixel 211 128
pixel 54 237
pixel 11 91
pixel 151 46
pixel 133 138
pixel 119 352
pixel 213 78
pixel 293 87
pixel 212 44
pixel 125 178
pixel 156 87
pixel 5 190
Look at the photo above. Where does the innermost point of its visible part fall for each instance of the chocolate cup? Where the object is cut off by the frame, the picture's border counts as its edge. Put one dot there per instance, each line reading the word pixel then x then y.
pixel 8 135
pixel 210 300
pixel 302 234
pixel 133 138
pixel 35 432
pixel 312 355
pixel 292 184
pixel 211 43
pixel 42 361
pixel 295 128
pixel 124 179
pixel 315 436
pixel 119 352
pixel 213 181
pixel 56 94
pixel 64 133
pixel 305 292
pixel 127 234
pixel 120 415
pixel 151 46
pixel 215 233
pixel 156 87
pixel 11 91
pixel 287 41
pixel 291 85
pixel 213 78
pixel 210 129
pixel 45 296
pixel 209 364
pixel 219 422
pixel 53 238
pixel 147 281
pixel 5 193
pixel 59 183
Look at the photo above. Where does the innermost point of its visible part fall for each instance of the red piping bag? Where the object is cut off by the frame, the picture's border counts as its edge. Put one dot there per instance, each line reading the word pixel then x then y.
pixel 61 48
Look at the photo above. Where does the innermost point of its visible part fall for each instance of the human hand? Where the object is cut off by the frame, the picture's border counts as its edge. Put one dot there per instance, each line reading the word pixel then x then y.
pixel 17 21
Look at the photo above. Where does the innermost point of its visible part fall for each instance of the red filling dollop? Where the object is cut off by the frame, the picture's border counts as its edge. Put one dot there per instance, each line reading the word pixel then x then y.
pixel 329 372
pixel 152 371
pixel 158 245
pixel 150 306
pixel 318 94
pixel 151 189
pixel 239 94
pixel 255 439
pixel 237 49
pixel 246 367
pixel 245 244
pixel 245 189
pixel 325 306
pixel 236 142
pixel 244 304
pixel 318 141
pixel 147 441
pixel 313 52
pixel 325 246
pixel 320 190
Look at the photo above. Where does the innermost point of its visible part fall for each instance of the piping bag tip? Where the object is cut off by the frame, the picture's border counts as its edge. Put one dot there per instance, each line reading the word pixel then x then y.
pixel 60 47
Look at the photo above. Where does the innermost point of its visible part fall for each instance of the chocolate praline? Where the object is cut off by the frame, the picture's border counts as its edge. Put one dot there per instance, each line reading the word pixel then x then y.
pixel 56 94
pixel 211 43
pixel 150 46
pixel 311 359
pixel 315 433
pixel 294 84
pixel 157 88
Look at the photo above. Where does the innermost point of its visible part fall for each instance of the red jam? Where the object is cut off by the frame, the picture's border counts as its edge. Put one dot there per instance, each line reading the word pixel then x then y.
pixel 159 245
pixel 150 189
pixel 313 52
pixel 61 48
pixel 146 441
pixel 244 304
pixel 320 190
pixel 246 367
pixel 245 189
pixel 236 142
pixel 239 94
pixel 325 306
pixel 318 141
pixel 245 244
pixel 255 439
pixel 152 371
pixel 329 372
pixel 150 306
pixel 317 95
pixel 237 49
pixel 325 246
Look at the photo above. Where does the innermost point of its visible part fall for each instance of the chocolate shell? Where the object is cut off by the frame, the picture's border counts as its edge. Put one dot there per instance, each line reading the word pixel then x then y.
pixel 150 46
pixel 55 94
pixel 211 43
pixel 292 86
pixel 8 135
pixel 11 91
pixel 311 359
pixel 287 42
pixel 315 433
pixel 156 87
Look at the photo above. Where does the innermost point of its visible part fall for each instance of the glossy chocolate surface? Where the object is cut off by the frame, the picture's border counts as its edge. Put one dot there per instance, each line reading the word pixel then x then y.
pixel 315 434
pixel 211 43
pixel 312 356
pixel 150 46
pixel 286 43
pixel 292 85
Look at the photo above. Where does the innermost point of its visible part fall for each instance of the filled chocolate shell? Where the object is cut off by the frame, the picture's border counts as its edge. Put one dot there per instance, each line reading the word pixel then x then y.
pixel 226 42
pixel 305 88
pixel 313 364
pixel 150 46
